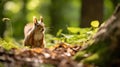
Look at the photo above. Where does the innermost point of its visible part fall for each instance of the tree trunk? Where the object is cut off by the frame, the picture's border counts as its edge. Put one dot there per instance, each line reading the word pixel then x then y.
pixel 109 34
pixel 105 50
pixel 91 10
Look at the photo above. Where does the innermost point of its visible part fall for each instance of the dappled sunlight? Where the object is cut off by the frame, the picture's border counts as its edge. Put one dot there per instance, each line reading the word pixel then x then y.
pixel 12 6
pixel 59 33
pixel 33 4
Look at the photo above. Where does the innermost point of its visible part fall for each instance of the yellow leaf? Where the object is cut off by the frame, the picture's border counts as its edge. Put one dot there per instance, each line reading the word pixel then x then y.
pixel 95 23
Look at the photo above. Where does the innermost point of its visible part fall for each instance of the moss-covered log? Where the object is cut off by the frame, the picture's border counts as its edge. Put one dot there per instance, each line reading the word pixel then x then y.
pixel 105 50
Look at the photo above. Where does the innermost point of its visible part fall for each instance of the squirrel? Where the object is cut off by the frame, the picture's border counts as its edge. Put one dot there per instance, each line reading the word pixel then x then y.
pixel 34 33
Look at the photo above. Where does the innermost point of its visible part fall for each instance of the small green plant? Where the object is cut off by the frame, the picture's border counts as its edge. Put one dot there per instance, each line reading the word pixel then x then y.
pixel 77 35
pixel 7 45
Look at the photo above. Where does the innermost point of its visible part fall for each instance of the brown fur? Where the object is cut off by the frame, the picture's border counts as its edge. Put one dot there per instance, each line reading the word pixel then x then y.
pixel 34 34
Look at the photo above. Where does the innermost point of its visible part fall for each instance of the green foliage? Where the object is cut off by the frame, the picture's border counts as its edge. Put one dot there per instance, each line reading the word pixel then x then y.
pixel 7 45
pixel 76 35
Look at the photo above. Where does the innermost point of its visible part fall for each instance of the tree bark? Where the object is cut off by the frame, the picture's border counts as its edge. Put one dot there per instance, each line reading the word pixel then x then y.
pixel 109 34
pixel 105 50
pixel 91 10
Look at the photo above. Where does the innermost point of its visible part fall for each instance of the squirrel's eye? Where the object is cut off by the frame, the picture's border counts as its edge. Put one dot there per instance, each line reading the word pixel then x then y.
pixel 41 29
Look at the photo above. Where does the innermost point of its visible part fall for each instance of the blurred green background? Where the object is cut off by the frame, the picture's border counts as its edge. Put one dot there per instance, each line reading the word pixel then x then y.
pixel 57 14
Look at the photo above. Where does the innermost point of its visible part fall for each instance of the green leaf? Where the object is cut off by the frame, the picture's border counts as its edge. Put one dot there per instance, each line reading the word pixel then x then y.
pixel 73 29
pixel 59 32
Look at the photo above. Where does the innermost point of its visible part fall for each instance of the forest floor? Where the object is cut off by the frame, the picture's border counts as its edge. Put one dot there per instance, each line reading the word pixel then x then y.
pixel 58 56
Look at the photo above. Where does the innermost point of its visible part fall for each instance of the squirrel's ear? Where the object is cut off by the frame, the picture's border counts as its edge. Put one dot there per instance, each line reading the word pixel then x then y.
pixel 34 19
pixel 41 19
